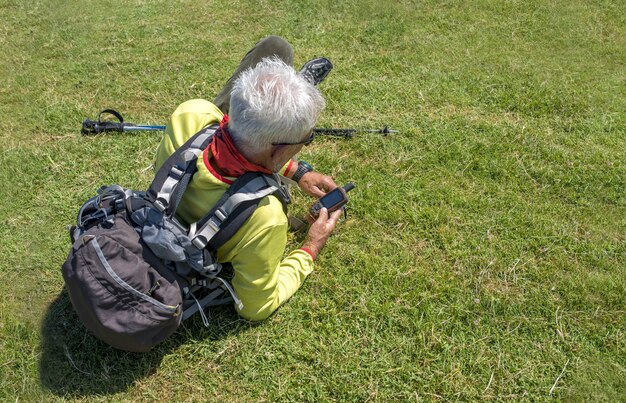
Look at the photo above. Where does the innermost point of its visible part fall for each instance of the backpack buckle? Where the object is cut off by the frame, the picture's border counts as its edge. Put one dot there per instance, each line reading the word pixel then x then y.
pixel 219 213
pixel 199 242
pixel 191 154
pixel 158 204
pixel 177 172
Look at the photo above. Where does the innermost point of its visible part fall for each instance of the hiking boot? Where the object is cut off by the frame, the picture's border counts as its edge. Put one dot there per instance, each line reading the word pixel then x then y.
pixel 316 70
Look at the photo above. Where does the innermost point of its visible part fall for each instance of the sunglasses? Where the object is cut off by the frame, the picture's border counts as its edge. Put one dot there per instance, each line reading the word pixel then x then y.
pixel 305 142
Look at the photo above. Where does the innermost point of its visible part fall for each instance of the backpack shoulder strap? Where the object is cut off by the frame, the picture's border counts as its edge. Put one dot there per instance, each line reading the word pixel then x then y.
pixel 172 178
pixel 231 211
pixel 235 207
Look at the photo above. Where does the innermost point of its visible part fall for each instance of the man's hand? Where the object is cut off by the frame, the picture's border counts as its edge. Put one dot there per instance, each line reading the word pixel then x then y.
pixel 320 231
pixel 315 184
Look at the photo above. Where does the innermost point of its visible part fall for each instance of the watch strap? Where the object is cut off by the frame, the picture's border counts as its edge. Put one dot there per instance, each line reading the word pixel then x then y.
pixel 303 168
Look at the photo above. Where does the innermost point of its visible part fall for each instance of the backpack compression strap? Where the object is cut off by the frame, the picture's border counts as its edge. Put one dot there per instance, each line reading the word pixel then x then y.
pixel 171 180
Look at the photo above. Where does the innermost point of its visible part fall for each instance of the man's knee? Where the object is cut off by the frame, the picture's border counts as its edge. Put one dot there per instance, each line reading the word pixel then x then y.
pixel 277 46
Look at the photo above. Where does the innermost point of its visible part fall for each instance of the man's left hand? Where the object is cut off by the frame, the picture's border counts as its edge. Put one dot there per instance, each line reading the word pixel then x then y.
pixel 315 184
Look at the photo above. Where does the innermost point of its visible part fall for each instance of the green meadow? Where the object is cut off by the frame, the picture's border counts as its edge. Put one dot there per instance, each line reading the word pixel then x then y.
pixel 484 254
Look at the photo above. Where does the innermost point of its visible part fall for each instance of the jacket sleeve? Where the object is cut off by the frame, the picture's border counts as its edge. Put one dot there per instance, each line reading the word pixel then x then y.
pixel 264 280
pixel 188 118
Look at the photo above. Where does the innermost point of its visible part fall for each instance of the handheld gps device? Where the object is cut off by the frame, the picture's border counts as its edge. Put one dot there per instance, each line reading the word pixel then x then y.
pixel 333 200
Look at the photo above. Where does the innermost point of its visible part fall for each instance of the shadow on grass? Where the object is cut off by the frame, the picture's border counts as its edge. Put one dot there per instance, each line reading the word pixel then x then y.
pixel 74 363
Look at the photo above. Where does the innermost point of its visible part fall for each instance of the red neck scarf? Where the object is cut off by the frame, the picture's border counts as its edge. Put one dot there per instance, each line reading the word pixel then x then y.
pixel 226 156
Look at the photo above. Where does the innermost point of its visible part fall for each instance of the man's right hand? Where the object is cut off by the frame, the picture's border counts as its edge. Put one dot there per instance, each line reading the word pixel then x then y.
pixel 320 231
pixel 316 184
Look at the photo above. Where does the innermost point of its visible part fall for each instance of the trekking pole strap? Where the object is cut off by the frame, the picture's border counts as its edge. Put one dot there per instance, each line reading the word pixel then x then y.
pixel 111 112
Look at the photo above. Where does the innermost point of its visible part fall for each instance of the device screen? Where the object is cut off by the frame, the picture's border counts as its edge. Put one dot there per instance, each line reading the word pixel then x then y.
pixel 332 198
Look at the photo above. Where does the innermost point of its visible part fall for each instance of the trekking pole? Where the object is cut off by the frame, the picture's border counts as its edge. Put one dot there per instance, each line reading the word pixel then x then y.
pixel 93 127
pixel 351 132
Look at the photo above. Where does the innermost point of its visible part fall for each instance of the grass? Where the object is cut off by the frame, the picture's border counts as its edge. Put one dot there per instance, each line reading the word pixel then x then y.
pixel 485 253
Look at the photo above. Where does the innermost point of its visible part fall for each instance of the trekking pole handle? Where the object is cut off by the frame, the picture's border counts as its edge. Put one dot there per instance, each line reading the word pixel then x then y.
pixel 93 127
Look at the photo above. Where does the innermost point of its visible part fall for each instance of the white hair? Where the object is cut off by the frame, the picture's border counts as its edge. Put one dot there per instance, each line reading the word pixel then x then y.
pixel 271 103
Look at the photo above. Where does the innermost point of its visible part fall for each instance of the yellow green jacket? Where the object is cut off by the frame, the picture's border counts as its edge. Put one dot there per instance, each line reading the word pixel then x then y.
pixel 263 279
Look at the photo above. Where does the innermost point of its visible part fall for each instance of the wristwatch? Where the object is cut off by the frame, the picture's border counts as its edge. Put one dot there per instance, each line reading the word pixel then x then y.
pixel 303 167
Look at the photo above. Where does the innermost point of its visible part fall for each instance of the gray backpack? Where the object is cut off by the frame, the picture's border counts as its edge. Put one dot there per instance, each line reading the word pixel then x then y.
pixel 135 271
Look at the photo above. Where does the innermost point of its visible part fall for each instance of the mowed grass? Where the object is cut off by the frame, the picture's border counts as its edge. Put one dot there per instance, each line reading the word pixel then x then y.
pixel 485 250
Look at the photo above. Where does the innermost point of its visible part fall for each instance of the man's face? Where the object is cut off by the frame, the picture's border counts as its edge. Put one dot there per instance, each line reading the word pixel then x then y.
pixel 283 154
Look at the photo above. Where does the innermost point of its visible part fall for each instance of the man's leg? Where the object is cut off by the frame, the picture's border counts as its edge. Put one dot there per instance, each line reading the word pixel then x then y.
pixel 267 47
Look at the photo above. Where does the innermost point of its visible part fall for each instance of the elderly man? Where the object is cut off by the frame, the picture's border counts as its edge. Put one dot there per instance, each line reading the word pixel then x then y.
pixel 271 114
